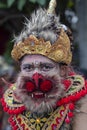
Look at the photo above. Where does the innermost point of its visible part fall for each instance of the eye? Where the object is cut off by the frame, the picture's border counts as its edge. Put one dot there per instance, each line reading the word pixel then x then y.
pixel 46 67
pixel 27 67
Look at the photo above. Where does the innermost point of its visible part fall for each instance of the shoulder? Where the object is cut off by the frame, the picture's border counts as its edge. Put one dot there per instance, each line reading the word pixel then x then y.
pixel 80 117
pixel 10 103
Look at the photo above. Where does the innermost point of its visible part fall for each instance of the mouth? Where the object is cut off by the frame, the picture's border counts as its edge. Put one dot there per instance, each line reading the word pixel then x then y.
pixel 38 95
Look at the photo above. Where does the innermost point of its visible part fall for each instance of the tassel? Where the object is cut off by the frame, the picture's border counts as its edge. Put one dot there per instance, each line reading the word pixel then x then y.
pixel 70 114
pixel 67 120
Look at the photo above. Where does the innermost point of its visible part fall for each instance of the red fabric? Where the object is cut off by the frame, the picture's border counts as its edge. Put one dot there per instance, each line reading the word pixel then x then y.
pixel 66 83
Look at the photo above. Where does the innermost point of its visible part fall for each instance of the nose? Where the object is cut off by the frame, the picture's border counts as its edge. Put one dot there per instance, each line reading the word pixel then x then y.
pixel 37 78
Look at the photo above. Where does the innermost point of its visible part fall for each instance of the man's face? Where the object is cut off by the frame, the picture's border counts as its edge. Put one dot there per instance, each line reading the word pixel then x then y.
pixel 39 83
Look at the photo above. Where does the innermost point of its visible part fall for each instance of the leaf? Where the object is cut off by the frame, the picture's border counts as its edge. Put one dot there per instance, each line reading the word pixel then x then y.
pixel 21 4
pixel 10 2
pixel 2 5
pixel 70 3
pixel 33 1
pixel 41 2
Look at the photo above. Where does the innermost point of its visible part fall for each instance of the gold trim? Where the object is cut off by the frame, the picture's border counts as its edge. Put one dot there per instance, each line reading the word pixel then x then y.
pixel 55 115
pixel 47 123
pixel 77 83
pixel 59 51
pixel 10 98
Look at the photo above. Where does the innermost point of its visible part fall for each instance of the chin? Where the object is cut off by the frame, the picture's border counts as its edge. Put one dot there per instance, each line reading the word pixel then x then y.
pixel 38 101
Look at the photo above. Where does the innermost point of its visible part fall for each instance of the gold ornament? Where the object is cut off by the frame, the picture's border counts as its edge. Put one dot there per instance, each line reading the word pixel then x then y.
pixel 59 51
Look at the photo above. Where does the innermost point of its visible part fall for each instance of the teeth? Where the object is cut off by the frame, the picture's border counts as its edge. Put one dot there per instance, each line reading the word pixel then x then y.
pixel 50 96
pixel 32 95
pixel 45 95
pixel 38 93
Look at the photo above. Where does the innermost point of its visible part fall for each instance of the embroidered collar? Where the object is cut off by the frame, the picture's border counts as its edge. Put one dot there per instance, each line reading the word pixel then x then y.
pixel 27 121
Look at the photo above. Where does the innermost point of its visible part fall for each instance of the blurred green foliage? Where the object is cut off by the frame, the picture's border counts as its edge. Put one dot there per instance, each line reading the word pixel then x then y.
pixel 12 14
pixel 19 3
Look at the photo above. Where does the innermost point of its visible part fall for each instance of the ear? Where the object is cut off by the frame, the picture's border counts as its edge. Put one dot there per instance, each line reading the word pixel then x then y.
pixel 63 70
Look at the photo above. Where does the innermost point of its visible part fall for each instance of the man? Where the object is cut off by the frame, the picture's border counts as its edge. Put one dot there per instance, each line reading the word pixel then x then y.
pixel 47 92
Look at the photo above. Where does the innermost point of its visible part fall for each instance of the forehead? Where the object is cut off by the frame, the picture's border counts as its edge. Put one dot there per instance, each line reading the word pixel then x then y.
pixel 36 58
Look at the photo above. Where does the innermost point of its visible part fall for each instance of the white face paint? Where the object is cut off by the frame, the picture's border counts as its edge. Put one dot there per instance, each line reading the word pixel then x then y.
pixel 38 63
pixel 50 70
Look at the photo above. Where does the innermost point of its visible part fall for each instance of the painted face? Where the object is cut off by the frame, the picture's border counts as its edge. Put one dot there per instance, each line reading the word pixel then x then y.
pixel 39 83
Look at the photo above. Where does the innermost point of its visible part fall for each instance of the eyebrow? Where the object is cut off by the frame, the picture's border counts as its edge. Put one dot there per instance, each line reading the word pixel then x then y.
pixel 26 65
pixel 46 63
pixel 41 63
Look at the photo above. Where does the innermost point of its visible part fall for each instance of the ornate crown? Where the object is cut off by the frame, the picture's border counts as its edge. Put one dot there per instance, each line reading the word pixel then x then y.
pixel 59 51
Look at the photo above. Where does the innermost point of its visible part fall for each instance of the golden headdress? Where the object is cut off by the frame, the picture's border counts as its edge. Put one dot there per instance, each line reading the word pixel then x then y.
pixel 59 50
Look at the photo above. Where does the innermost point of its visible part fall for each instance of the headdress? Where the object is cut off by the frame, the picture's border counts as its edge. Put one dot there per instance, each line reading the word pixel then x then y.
pixel 44 35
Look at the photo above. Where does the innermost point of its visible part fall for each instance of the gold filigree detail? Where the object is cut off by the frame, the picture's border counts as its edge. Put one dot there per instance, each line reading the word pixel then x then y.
pixel 77 83
pixel 59 51
pixel 44 123
pixel 9 98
